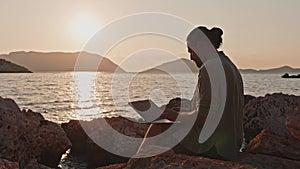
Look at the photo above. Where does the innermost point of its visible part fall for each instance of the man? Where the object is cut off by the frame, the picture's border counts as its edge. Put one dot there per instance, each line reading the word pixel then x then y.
pixel 227 136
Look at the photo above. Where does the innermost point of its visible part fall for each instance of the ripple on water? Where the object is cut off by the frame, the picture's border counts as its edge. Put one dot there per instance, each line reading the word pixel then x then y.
pixel 55 94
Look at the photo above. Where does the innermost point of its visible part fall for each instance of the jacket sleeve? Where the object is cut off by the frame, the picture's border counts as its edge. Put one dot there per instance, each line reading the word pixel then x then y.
pixel 204 92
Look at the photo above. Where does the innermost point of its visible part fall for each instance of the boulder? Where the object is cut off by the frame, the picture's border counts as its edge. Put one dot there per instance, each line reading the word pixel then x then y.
pixel 82 144
pixel 269 113
pixel 178 104
pixel 5 164
pixel 95 155
pixel 35 164
pixel 247 98
pixel 27 136
pixel 262 161
pixel 270 143
pixel 273 148
pixel 293 122
pixel 176 161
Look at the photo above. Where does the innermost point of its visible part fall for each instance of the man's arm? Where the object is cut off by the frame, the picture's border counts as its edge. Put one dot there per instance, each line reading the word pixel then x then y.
pixel 204 86
pixel 169 114
pixel 187 116
pixel 204 102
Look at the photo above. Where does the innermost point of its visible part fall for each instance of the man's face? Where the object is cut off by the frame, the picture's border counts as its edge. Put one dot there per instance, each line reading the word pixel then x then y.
pixel 194 57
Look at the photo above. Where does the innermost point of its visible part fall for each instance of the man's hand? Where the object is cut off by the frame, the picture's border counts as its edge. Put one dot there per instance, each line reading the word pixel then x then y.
pixel 169 114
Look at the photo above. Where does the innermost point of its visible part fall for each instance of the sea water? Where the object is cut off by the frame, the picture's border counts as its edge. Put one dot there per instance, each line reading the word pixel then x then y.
pixel 62 96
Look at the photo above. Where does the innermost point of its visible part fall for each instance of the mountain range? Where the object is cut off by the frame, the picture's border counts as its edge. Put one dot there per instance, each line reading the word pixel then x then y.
pixel 279 70
pixel 176 66
pixel 60 61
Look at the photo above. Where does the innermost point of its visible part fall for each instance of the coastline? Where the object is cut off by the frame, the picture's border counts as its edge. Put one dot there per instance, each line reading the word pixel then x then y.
pixel 271 126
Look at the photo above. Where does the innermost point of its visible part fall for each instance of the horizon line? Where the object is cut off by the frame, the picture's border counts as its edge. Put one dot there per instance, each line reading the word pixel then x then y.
pixel 78 51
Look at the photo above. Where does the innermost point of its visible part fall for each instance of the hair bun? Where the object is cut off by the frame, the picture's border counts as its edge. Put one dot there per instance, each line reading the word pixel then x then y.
pixel 214 35
pixel 217 32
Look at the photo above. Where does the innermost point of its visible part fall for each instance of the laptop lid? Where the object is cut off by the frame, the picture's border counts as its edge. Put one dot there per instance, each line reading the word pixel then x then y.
pixel 147 109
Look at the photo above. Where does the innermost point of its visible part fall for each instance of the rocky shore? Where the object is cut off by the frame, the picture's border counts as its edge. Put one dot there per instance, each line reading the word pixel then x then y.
pixel 271 126
pixel 27 140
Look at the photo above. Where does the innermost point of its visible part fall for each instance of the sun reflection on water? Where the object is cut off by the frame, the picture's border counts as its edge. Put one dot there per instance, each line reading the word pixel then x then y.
pixel 85 101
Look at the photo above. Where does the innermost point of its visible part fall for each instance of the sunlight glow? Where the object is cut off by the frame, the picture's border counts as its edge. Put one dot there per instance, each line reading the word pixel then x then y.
pixel 85 95
pixel 84 27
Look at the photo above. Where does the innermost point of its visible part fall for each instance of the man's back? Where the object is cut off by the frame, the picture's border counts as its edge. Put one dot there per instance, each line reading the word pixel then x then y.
pixel 230 129
pixel 228 136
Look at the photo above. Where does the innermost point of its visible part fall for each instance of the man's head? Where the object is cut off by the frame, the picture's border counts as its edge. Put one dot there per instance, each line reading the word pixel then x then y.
pixel 202 42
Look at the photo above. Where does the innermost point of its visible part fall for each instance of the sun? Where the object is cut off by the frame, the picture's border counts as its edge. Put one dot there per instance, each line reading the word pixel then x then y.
pixel 84 27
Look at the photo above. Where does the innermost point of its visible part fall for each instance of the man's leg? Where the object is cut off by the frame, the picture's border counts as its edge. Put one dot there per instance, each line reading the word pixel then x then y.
pixel 153 130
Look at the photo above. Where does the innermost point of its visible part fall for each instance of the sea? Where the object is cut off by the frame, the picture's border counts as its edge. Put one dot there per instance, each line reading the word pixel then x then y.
pixel 61 96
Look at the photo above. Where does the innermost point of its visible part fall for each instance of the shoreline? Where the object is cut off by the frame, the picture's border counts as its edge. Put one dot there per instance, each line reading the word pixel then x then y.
pixel 271 125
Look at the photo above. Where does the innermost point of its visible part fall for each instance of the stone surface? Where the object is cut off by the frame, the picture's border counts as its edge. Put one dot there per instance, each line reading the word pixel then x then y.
pixel 247 98
pixel 95 155
pixel 178 161
pixel 269 143
pixel 178 104
pixel 175 161
pixel 83 144
pixel 5 164
pixel 262 161
pixel 274 147
pixel 293 122
pixel 26 136
pixel 268 112
pixel 34 164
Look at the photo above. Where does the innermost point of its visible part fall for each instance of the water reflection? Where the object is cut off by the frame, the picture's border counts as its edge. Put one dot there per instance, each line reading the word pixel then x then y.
pixel 63 96
pixel 85 102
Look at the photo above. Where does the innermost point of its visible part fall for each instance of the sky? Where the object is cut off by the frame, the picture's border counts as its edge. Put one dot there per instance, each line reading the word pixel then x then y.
pixel 258 34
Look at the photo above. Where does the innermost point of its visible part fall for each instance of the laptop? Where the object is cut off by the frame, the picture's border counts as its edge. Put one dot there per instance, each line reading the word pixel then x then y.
pixel 149 111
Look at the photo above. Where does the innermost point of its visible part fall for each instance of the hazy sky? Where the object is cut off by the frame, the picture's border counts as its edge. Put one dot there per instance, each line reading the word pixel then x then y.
pixel 257 34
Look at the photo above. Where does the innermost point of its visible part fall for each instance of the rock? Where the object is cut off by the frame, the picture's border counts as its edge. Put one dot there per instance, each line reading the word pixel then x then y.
pixel 5 164
pixel 8 129
pixel 268 150
pixel 247 98
pixel 95 154
pixel 261 161
pixel 115 166
pixel 53 143
pixel 34 164
pixel 178 161
pixel 175 161
pixel 268 112
pixel 27 136
pixel 293 122
pixel 8 67
pixel 269 143
pixel 179 104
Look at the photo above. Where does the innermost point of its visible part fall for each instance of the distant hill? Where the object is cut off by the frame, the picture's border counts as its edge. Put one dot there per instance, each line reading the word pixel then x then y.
pixel 177 66
pixel 9 67
pixel 280 70
pixel 59 61
pixel 248 71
